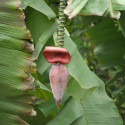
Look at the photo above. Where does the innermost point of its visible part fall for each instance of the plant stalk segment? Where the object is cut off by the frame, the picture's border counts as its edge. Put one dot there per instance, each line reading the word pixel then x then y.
pixel 61 24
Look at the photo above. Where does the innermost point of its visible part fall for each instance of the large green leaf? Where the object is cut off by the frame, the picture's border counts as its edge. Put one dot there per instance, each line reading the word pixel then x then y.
pixel 44 38
pixel 39 24
pixel 16 60
pixel 99 109
pixel 95 7
pixel 41 6
pixel 77 68
pixel 46 28
pixel 109 43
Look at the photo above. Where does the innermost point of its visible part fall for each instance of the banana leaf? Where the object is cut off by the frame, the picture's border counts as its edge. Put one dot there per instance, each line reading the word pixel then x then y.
pixel 15 61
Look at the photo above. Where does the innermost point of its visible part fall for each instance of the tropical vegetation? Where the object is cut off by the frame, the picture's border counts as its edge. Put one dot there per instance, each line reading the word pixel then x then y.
pixel 95 39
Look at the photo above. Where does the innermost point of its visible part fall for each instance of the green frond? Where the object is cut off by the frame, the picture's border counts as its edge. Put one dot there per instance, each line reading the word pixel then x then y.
pixel 15 61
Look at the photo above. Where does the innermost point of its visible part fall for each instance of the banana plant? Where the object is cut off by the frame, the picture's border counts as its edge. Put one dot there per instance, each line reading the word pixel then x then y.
pixel 85 101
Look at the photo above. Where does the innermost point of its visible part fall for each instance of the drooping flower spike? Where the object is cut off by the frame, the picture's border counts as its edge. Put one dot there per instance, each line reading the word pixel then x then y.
pixel 59 56
pixel 58 73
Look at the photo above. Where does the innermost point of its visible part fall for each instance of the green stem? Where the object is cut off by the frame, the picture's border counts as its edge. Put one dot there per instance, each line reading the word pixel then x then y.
pixel 61 24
